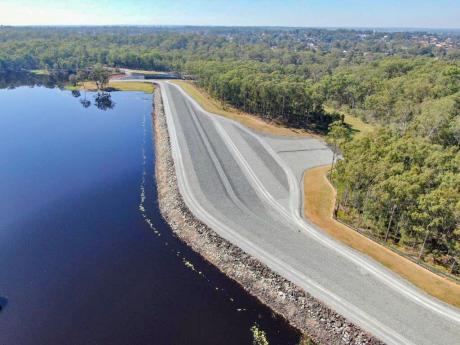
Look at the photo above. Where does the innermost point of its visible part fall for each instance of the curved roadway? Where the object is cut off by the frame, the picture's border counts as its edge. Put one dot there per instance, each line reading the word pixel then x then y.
pixel 234 181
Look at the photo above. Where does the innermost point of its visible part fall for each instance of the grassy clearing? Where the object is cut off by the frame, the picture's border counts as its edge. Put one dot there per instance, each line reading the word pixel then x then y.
pixel 360 127
pixel 132 86
pixel 251 121
pixel 115 86
pixel 319 200
pixel 86 85
pixel 40 72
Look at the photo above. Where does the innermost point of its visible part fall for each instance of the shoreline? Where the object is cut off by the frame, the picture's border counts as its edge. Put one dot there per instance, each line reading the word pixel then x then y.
pixel 301 310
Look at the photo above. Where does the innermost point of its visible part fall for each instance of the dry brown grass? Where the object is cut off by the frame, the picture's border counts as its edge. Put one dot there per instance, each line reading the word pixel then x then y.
pixel 250 121
pixel 319 203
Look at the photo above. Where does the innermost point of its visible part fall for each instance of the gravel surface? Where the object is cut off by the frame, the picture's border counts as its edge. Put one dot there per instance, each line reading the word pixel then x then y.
pixel 236 186
pixel 298 307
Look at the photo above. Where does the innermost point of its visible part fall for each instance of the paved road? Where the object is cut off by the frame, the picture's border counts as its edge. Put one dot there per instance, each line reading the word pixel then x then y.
pixel 246 187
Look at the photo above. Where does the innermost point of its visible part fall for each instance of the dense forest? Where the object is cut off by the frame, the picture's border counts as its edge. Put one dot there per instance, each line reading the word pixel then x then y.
pixel 418 96
pixel 403 190
pixel 400 183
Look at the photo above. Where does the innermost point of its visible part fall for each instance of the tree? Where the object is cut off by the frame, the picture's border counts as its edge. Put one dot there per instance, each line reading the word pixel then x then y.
pixel 100 76
pixel 337 136
pixel 73 79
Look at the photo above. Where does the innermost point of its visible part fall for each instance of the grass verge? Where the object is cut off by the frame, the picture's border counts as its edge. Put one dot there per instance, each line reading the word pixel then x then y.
pixel 251 121
pixel 319 200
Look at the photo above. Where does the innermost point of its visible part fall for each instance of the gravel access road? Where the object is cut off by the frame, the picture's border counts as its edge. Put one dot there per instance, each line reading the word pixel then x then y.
pixel 246 187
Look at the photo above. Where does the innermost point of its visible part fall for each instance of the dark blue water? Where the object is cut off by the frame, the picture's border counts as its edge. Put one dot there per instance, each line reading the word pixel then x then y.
pixel 78 262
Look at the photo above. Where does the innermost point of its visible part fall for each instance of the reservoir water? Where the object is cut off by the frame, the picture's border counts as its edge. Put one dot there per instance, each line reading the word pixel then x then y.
pixel 79 264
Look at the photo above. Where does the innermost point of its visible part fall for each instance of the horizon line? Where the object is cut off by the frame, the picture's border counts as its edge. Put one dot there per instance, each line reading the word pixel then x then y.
pixel 237 26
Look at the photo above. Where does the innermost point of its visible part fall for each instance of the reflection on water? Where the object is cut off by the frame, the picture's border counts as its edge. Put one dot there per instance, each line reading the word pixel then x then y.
pixel 3 302
pixel 85 257
pixel 103 100
pixel 76 93
pixel 11 80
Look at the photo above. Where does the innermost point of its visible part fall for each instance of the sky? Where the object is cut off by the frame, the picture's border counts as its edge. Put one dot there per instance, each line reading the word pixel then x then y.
pixel 303 13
